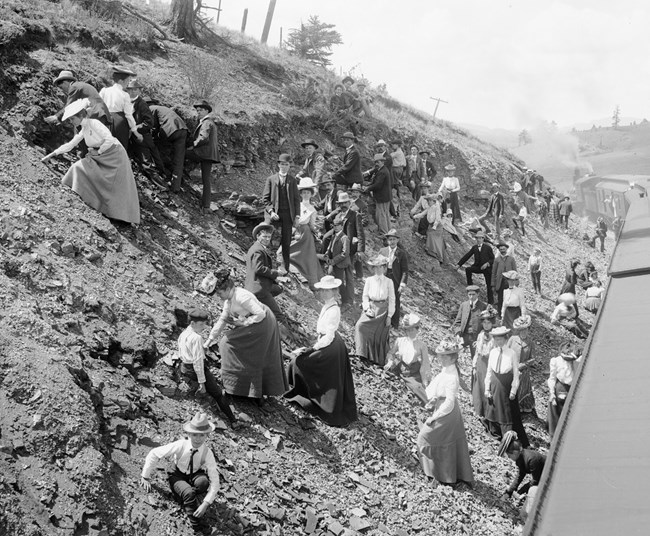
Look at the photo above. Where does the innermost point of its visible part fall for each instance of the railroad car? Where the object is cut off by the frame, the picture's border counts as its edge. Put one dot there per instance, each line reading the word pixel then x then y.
pixel 604 195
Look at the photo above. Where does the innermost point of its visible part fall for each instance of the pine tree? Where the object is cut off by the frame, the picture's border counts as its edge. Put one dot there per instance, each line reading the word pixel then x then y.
pixel 313 41
pixel 616 118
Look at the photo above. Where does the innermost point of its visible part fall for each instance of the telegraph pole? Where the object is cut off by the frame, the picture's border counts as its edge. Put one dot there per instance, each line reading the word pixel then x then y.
pixel 243 21
pixel 438 101
pixel 267 22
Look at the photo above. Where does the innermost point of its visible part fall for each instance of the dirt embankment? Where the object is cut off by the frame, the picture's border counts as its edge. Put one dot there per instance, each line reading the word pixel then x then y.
pixel 87 311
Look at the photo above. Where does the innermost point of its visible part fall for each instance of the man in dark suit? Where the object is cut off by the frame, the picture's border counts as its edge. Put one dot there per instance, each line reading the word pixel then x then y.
pixel 468 322
pixel 502 263
pixel 496 208
pixel 398 270
pixel 353 226
pixel 260 275
pixel 380 189
pixel 282 204
pixel 339 259
pixel 169 128
pixel 483 260
pixel 74 91
pixel 314 166
pixel 204 148
pixel 350 172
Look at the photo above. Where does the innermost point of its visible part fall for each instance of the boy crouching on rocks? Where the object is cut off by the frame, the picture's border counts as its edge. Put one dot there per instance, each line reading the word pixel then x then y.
pixel 195 470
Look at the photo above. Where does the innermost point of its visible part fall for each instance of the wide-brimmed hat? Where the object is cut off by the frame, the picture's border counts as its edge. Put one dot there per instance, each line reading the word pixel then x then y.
pixel 309 141
pixel 379 260
pixel 339 86
pixel 569 351
pixel 503 244
pixel 347 79
pixel 489 313
pixel 343 197
pixel 326 178
pixel 392 232
pixel 511 274
pixel 198 315
pixel 348 135
pixel 306 183
pixel 379 157
pixel 65 75
pixel 410 320
pixel 516 187
pixel 122 70
pixel 425 151
pixel 480 234
pixel 134 84
pixel 203 104
pixel 426 184
pixel 380 142
pixel 328 282
pixel 501 331
pixel 496 185
pixel 356 187
pixel 523 322
pixel 568 298
pixel 284 158
pixel 448 346
pixel 200 424
pixel 74 108
pixel 450 167
pixel 262 227
pixel 472 288
pixel 507 440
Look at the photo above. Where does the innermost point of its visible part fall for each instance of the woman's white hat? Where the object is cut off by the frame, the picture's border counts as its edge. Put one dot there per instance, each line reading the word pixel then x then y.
pixel 305 183
pixel 74 108
pixel 328 282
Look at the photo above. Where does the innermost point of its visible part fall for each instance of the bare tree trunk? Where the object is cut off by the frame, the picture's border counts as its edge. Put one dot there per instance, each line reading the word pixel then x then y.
pixel 183 18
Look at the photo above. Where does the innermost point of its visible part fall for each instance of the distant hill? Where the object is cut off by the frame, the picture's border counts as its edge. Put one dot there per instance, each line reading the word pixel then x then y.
pixel 501 137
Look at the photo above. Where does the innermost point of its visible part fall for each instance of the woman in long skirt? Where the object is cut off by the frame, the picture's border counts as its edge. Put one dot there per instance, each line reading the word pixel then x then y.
pixel 372 330
pixel 435 245
pixel 501 383
pixel 480 362
pixel 514 301
pixel 409 358
pixel 303 247
pixel 251 355
pixel 103 178
pixel 320 377
pixel 442 443
pixel 523 348
pixel 119 104
pixel 562 373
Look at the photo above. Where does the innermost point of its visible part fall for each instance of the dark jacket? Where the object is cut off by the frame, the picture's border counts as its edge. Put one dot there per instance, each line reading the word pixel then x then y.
pixel 339 251
pixel 496 205
pixel 206 145
pixel 529 462
pixel 424 172
pixel 381 185
pixel 481 256
pixel 460 324
pixel 98 108
pixel 260 275
pixel 353 227
pixel 165 121
pixel 400 267
pixel 270 196
pixel 313 167
pixel 142 115
pixel 350 172
pixel 501 265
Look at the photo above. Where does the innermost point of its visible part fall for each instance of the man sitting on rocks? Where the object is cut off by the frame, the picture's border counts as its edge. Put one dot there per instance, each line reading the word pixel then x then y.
pixel 195 470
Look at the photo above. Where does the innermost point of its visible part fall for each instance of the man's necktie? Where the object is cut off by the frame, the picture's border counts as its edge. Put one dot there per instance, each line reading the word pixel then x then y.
pixel 192 453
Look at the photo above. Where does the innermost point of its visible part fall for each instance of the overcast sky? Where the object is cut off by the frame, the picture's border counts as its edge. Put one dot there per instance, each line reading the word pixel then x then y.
pixel 498 63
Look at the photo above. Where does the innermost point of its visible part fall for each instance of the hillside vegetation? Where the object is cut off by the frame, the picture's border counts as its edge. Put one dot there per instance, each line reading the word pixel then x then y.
pixel 88 311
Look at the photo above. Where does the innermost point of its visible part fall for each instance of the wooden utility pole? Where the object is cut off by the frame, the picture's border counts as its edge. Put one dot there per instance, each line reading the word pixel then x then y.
pixel 267 22
pixel 243 20
pixel 280 37
pixel 438 101
pixel 218 11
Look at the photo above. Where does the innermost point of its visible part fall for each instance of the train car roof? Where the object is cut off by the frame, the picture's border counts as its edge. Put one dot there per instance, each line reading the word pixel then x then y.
pixel 615 178
pixel 596 477
pixel 620 186
pixel 632 253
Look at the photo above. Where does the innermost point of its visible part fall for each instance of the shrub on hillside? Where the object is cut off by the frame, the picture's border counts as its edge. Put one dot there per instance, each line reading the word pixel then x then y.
pixel 202 73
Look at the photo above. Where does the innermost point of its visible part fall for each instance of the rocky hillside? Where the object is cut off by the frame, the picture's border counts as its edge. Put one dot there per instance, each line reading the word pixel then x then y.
pixel 89 312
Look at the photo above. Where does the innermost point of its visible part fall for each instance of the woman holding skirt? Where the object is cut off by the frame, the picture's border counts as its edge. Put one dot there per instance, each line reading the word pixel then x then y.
pixel 442 443
pixel 523 348
pixel 320 377
pixel 251 356
pixel 373 327
pixel 484 345
pixel 103 178
pixel 303 247
pixel 501 383
pixel 562 373
pixel 435 245
pixel 514 301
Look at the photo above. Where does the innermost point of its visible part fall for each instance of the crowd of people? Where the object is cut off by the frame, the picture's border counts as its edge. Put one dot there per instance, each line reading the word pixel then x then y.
pixel 322 216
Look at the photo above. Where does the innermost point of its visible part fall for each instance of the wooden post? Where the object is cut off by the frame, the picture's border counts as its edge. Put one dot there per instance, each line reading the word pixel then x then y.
pixel 243 20
pixel 218 11
pixel 280 36
pixel 267 22
pixel 438 101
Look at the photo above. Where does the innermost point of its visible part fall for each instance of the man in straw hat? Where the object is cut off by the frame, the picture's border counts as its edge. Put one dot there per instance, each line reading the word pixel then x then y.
pixel 314 166
pixel 468 321
pixel 195 470
pixel 398 269
pixel 75 90
pixel 261 278
pixel 204 148
pixel 350 172
pixel 449 188
pixel 282 202
pixel 483 260
pixel 380 188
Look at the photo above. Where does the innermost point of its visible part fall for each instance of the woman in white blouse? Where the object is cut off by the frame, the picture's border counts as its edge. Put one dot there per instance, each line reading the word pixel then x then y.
pixel 435 245
pixel 103 178
pixel 514 301
pixel 442 443
pixel 251 355
pixel 119 104
pixel 372 330
pixel 303 245
pixel 562 373
pixel 501 383
pixel 320 377
pixel 594 294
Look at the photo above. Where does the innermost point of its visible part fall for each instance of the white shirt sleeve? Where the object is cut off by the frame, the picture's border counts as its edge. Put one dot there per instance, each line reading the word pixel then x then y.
pixel 210 467
pixel 159 453
pixel 391 296
pixel 450 385
pixel 328 324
